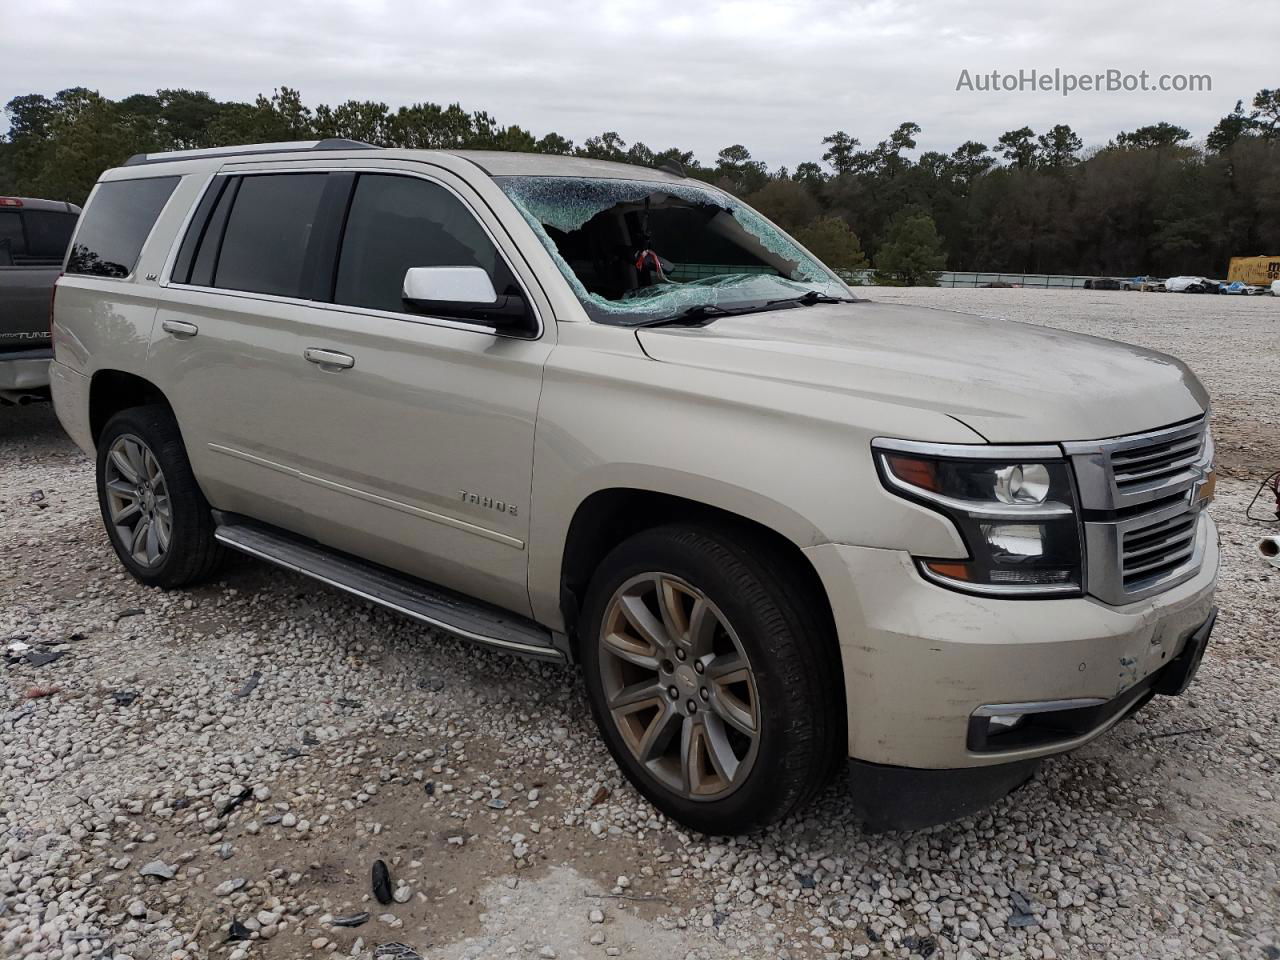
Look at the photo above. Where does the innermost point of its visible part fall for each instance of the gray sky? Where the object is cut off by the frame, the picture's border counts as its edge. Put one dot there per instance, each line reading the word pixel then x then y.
pixel 777 76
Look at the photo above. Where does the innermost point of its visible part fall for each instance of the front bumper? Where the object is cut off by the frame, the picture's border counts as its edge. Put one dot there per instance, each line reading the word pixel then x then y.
pixel 22 370
pixel 919 659
pixel 906 798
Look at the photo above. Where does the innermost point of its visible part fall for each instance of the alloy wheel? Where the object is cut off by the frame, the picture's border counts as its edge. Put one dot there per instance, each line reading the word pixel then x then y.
pixel 679 686
pixel 138 500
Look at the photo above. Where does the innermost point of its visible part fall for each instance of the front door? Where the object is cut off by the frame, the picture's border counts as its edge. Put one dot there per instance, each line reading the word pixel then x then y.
pixel 416 442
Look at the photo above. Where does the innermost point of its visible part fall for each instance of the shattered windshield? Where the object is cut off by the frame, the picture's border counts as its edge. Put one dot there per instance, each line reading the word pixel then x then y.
pixel 639 251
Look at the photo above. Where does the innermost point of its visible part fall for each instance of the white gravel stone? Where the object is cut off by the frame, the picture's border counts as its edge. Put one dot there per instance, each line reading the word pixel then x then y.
pixel 1156 840
pixel 228 887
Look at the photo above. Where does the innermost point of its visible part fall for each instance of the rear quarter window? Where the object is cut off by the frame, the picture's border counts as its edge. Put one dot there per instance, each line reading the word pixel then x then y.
pixel 116 224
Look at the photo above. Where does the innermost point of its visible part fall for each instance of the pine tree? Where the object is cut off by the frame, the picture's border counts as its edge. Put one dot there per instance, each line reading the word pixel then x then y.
pixel 912 253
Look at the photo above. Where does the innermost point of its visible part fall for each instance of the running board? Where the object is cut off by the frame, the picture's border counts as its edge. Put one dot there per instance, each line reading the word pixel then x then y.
pixel 449 611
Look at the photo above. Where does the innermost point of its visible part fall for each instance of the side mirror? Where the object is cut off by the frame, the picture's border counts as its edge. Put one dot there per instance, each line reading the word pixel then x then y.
pixel 462 293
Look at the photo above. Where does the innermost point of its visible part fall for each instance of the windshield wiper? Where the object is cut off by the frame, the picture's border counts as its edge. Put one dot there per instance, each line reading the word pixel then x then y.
pixel 695 316
pixel 703 313
pixel 812 297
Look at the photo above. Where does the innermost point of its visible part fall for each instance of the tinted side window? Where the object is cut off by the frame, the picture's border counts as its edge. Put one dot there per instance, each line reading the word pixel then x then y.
pixel 48 233
pixel 117 224
pixel 197 229
pixel 265 245
pixel 400 222
pixel 207 236
pixel 12 243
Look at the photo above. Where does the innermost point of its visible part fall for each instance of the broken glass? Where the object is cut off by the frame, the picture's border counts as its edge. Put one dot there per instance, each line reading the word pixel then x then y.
pixel 634 251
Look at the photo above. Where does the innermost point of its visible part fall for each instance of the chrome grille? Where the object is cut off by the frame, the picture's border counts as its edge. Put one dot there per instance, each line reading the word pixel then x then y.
pixel 1151 552
pixel 1141 466
pixel 1145 527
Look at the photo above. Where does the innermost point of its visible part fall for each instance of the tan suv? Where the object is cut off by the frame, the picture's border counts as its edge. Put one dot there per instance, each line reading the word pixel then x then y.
pixel 611 415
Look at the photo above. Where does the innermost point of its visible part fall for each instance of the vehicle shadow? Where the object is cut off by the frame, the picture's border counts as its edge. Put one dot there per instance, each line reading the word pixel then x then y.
pixel 31 423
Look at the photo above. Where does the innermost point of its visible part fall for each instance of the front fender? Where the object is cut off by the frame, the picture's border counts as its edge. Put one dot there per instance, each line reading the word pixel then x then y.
pixel 791 457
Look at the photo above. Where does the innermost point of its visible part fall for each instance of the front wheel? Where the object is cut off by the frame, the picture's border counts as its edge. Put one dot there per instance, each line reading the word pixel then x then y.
pixel 710 674
pixel 156 518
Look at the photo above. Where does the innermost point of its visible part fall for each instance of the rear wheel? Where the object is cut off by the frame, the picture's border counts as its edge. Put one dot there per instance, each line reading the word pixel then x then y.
pixel 709 674
pixel 155 515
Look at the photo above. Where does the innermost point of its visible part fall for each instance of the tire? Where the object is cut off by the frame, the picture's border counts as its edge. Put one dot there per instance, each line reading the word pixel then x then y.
pixel 764 742
pixel 141 448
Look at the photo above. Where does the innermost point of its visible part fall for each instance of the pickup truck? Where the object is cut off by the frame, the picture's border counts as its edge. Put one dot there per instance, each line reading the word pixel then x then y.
pixel 33 241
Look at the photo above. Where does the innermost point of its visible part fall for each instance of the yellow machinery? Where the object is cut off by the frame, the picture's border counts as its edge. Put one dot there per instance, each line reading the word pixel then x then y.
pixel 1260 271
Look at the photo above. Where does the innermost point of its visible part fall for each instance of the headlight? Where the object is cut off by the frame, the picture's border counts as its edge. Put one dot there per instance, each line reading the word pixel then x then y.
pixel 1015 508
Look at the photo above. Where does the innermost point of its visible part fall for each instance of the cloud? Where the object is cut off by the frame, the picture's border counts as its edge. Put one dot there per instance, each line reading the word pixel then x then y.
pixel 776 76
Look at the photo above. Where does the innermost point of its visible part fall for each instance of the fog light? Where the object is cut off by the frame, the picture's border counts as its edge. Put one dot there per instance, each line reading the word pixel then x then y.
pixel 1002 722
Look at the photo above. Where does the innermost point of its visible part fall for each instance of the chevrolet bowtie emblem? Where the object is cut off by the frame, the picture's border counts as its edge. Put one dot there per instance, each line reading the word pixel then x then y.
pixel 1202 492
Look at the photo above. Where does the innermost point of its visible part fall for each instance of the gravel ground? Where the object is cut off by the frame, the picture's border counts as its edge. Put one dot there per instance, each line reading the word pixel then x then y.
pixel 229 762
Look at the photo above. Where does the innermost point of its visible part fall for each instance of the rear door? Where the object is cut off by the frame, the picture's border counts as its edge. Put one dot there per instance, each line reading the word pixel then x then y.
pixel 226 346
pixel 419 453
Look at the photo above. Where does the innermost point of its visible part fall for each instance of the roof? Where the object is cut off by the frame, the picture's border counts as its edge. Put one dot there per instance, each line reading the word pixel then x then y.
pixel 501 164
pixel 247 149
pixel 494 162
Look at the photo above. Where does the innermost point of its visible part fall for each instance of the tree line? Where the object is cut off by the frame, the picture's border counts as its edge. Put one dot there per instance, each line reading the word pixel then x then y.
pixel 1150 201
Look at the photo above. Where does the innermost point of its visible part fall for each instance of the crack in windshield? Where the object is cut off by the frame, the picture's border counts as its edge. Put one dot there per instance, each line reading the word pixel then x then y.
pixel 638 251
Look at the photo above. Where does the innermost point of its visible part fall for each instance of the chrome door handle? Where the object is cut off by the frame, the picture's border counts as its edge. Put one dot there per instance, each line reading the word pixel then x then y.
pixel 329 359
pixel 179 328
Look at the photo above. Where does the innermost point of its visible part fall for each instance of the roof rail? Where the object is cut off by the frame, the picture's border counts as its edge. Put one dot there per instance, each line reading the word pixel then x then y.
pixel 249 149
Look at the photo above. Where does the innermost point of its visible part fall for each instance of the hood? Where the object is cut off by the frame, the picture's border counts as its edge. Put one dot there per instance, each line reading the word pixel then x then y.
pixel 1011 382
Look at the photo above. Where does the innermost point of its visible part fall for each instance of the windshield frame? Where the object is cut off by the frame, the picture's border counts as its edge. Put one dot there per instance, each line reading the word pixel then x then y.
pixel 736 292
